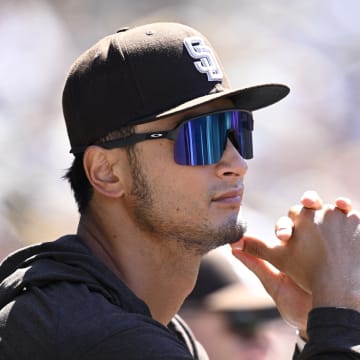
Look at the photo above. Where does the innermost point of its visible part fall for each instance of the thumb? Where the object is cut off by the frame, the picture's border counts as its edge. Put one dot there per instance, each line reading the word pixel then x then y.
pixel 269 276
pixel 291 300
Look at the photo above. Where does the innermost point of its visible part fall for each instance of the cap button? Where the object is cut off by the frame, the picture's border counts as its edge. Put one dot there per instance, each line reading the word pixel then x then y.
pixel 125 28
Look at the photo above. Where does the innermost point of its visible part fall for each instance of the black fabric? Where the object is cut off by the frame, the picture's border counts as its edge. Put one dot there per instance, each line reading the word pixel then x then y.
pixel 333 333
pixel 57 301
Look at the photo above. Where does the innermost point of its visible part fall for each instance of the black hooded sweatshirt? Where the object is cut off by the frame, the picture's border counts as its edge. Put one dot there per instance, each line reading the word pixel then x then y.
pixel 59 301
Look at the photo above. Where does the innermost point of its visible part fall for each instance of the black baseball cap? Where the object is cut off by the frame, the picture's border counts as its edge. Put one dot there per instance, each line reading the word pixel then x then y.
pixel 146 73
pixel 219 288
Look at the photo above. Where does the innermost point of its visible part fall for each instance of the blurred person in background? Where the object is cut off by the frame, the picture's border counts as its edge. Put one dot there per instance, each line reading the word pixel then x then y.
pixel 233 319
pixel 160 141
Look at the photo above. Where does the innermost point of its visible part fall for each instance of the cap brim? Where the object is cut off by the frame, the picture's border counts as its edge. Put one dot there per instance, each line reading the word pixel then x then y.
pixel 238 297
pixel 250 99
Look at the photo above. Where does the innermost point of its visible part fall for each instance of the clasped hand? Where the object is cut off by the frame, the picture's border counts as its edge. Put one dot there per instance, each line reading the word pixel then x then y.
pixel 315 261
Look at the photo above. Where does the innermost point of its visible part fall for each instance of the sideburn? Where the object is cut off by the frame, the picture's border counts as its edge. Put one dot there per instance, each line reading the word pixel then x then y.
pixel 140 190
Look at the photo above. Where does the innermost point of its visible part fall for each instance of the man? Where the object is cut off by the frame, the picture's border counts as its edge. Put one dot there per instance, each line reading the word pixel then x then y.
pixel 233 319
pixel 160 142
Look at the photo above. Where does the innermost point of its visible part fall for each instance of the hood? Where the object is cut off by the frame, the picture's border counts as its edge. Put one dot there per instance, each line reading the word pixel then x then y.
pixel 66 259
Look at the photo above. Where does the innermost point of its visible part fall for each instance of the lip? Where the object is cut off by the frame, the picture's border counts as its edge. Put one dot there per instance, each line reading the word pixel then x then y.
pixel 229 197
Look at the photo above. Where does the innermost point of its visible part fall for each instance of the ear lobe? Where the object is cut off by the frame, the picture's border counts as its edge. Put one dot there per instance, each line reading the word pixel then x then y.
pixel 99 167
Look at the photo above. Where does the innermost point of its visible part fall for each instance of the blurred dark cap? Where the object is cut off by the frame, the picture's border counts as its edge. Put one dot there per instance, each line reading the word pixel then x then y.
pixel 219 288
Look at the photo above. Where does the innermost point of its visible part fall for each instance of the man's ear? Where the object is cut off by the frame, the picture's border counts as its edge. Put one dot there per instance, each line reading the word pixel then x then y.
pixel 100 167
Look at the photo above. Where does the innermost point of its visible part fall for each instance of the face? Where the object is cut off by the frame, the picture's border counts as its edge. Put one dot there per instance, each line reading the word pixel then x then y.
pixel 196 207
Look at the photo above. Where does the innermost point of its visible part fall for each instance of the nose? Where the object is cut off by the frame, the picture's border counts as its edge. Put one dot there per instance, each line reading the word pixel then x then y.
pixel 231 162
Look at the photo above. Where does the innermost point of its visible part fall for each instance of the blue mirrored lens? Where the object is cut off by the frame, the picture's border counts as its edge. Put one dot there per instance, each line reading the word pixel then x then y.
pixel 202 141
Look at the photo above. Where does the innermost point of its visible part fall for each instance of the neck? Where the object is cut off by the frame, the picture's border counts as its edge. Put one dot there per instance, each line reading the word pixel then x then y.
pixel 162 276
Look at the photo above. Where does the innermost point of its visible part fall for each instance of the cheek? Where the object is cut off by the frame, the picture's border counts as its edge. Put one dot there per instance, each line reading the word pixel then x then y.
pixel 162 151
pixel 189 199
pixel 177 186
pixel 182 186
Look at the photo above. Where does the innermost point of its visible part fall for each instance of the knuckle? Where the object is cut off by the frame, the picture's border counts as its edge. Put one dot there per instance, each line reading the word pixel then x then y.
pixel 294 210
pixel 254 248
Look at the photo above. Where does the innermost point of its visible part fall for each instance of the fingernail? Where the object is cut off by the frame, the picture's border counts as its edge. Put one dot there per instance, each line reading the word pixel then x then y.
pixel 283 233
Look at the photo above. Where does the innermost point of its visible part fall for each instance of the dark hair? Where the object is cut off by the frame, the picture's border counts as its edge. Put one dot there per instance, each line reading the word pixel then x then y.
pixel 76 175
pixel 79 183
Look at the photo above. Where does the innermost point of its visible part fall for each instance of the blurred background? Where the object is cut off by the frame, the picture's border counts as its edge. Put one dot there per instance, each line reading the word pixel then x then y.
pixel 310 140
pixel 231 319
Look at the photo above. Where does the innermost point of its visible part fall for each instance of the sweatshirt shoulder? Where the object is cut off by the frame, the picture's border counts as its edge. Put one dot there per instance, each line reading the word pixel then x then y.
pixel 70 319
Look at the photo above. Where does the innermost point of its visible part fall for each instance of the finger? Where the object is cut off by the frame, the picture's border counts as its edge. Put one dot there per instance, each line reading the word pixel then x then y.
pixel 284 228
pixel 294 211
pixel 298 212
pixel 311 200
pixel 344 204
pixel 257 247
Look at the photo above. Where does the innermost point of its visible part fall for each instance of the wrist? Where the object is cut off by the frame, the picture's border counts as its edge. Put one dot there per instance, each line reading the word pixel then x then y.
pixel 343 293
pixel 300 340
pixel 348 301
pixel 302 334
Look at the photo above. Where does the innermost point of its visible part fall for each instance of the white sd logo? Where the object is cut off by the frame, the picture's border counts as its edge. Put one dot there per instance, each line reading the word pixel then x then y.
pixel 207 63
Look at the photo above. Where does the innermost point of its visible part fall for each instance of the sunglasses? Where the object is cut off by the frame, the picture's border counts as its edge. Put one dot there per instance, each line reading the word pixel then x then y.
pixel 247 322
pixel 202 140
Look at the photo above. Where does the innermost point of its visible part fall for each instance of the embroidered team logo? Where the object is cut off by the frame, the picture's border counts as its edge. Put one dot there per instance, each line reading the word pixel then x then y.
pixel 206 62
